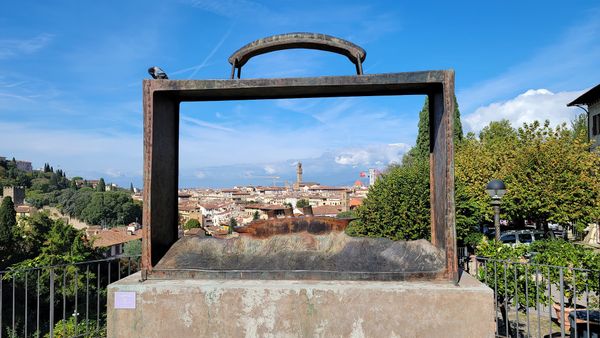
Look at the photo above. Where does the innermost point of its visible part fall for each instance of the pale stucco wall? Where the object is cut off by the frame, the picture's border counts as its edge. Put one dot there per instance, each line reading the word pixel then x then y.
pixel 265 308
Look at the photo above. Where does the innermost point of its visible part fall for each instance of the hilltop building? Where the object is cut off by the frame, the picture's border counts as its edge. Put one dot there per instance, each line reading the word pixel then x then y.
pixel 21 165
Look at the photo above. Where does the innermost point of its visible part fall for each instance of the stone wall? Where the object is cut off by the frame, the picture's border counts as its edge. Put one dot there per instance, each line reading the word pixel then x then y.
pixel 285 308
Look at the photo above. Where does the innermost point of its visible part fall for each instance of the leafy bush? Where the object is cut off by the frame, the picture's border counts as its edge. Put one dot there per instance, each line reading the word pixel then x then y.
pixel 575 259
pixel 397 206
pixel 192 223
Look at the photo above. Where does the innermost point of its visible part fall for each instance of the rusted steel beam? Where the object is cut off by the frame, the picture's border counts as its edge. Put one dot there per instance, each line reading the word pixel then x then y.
pixel 410 83
pixel 161 171
pixel 441 162
pixel 324 42
pixel 281 226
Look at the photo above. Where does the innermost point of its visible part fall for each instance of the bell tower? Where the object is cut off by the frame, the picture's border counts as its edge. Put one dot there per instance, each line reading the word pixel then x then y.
pixel 298 175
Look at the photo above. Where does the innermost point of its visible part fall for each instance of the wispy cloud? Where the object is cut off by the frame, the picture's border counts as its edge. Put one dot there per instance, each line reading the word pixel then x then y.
pixel 233 8
pixel 205 124
pixel 77 151
pixel 212 52
pixel 15 47
pixel 269 169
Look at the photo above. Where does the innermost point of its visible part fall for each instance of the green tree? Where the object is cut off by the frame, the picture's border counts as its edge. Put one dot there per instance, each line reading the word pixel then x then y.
pixel 35 231
pixel 421 148
pixel 53 183
pixel 579 126
pixel 232 224
pixel 256 216
pixel 191 223
pixel 477 161
pixel 554 177
pixel 347 214
pixel 397 206
pixel 301 203
pixel 101 187
pixel 8 222
pixel 133 248
pixel 131 187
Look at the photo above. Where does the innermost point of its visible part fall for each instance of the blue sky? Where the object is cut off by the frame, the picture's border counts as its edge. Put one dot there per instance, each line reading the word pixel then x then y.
pixel 71 72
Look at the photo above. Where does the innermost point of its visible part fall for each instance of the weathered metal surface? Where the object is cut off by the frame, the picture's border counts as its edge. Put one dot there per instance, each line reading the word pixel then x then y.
pixel 161 115
pixel 323 42
pixel 161 171
pixel 302 255
pixel 280 226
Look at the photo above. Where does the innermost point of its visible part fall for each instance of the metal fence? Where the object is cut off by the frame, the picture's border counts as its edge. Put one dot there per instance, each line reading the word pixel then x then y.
pixel 66 300
pixel 538 300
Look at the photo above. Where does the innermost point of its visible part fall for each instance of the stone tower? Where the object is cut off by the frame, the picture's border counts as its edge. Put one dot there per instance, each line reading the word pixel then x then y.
pixel 17 194
pixel 298 175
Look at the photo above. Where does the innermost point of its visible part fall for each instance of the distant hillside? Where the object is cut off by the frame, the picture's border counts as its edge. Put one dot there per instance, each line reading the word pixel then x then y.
pixel 76 197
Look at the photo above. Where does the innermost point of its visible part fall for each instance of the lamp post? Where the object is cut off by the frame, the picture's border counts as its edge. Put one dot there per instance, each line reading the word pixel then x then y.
pixel 496 189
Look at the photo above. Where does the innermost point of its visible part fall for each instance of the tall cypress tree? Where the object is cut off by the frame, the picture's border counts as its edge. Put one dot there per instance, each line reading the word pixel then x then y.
pixel 101 185
pixel 8 221
pixel 421 148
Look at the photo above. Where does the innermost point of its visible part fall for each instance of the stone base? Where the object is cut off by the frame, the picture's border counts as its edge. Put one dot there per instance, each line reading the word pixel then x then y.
pixel 285 308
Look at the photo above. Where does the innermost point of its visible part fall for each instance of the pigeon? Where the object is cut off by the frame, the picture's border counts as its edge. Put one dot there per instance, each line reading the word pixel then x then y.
pixel 157 73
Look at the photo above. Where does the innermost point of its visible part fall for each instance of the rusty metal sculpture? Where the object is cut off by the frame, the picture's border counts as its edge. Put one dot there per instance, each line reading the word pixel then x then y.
pixel 161 146
pixel 273 43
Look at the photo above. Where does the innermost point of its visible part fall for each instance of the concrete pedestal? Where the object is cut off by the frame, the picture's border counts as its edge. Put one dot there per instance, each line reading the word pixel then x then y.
pixel 284 308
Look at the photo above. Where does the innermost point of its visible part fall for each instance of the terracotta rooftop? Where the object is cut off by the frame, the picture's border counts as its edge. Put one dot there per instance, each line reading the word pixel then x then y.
pixel 114 236
pixel 187 207
pixel 22 209
pixel 356 202
pixel 212 205
pixel 326 210
pixel 324 187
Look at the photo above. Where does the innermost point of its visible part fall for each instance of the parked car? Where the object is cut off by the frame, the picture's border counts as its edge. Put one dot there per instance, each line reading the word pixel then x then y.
pixel 514 237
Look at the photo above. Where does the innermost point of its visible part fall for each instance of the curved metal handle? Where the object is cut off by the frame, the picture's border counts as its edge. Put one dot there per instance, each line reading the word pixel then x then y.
pixel 273 43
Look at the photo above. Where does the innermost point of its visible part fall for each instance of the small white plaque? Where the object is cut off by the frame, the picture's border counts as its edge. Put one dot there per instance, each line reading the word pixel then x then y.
pixel 124 300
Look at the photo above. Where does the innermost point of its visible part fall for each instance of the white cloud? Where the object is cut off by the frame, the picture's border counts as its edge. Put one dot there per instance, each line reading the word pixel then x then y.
pixel 534 104
pixel 269 169
pixel 200 174
pixel 113 172
pixel 571 61
pixel 372 155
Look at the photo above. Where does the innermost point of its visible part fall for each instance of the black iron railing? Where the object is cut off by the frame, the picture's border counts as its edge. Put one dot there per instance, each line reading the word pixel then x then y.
pixel 539 300
pixel 66 300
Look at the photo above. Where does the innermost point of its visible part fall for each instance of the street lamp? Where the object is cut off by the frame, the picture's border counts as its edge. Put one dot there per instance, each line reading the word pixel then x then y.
pixel 496 189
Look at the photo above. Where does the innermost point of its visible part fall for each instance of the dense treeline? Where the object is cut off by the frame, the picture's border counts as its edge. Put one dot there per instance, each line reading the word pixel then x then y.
pixel 48 187
pixel 39 241
pixel 108 208
pixel 550 174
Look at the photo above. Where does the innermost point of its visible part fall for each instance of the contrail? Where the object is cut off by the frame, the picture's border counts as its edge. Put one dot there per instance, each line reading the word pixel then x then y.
pixel 212 52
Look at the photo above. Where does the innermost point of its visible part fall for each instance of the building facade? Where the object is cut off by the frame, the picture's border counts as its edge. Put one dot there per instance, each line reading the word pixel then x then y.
pixel 591 99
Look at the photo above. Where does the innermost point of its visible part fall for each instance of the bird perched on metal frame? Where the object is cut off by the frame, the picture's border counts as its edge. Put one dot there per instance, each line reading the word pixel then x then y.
pixel 157 73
